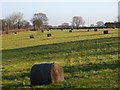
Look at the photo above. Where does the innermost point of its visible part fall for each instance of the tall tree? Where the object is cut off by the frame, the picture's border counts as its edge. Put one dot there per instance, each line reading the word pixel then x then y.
pixel 77 21
pixel 3 24
pixel 14 20
pixel 119 19
pixel 100 24
pixel 119 11
pixel 38 20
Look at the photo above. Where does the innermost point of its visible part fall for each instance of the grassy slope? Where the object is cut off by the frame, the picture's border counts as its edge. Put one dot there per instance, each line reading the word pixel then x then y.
pixel 89 59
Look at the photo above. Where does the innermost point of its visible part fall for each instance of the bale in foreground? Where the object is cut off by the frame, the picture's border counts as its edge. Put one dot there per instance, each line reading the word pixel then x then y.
pixel 46 73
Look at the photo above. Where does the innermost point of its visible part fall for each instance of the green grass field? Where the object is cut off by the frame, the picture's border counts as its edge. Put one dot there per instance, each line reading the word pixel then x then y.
pixel 89 59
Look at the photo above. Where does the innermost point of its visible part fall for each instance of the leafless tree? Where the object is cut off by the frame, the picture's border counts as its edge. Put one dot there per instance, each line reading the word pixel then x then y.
pixel 77 21
pixel 3 24
pixel 100 24
pixel 14 20
pixel 66 25
pixel 39 20
pixel 118 18
pixel 119 11
pixel 25 24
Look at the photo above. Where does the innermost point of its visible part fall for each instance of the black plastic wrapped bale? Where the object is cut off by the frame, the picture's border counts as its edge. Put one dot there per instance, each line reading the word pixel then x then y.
pixel 7 32
pixel 15 32
pixel 105 32
pixel 31 36
pixel 70 30
pixel 46 73
pixel 95 30
pixel 42 31
pixel 49 35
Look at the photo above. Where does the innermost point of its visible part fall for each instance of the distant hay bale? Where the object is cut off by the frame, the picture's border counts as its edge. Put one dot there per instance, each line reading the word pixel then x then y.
pixel 70 30
pixel 88 30
pixel 105 31
pixel 95 30
pixel 42 31
pixel 15 32
pixel 31 36
pixel 7 32
pixel 46 73
pixel 49 35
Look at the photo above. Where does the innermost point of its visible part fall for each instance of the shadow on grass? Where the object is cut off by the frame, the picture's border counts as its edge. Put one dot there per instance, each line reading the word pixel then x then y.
pixel 90 66
pixel 61 48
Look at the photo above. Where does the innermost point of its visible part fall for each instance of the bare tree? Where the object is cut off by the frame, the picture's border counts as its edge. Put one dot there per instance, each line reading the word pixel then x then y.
pixel 119 11
pixel 100 24
pixel 65 25
pixel 3 24
pixel 25 24
pixel 118 18
pixel 39 20
pixel 14 20
pixel 77 21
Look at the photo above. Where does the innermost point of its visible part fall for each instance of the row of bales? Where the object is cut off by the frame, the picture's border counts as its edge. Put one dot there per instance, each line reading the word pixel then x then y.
pixel 56 28
pixel 105 31
pixel 69 30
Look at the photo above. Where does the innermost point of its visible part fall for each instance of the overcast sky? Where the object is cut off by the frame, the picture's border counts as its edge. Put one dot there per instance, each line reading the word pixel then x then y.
pixel 59 12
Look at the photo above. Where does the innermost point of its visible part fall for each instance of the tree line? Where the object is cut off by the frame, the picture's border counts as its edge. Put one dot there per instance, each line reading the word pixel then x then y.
pixel 39 21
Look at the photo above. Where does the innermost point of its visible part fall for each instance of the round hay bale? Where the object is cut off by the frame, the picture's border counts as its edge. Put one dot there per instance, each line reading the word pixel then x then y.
pixel 49 35
pixel 95 30
pixel 42 31
pixel 31 36
pixel 70 30
pixel 15 32
pixel 105 31
pixel 88 30
pixel 46 73
pixel 7 32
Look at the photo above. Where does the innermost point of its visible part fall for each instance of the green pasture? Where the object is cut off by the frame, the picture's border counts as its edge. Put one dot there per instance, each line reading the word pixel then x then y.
pixel 89 59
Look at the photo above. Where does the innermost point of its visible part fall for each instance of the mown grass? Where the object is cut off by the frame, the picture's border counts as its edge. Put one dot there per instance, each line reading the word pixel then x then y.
pixel 89 59
pixel 20 40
